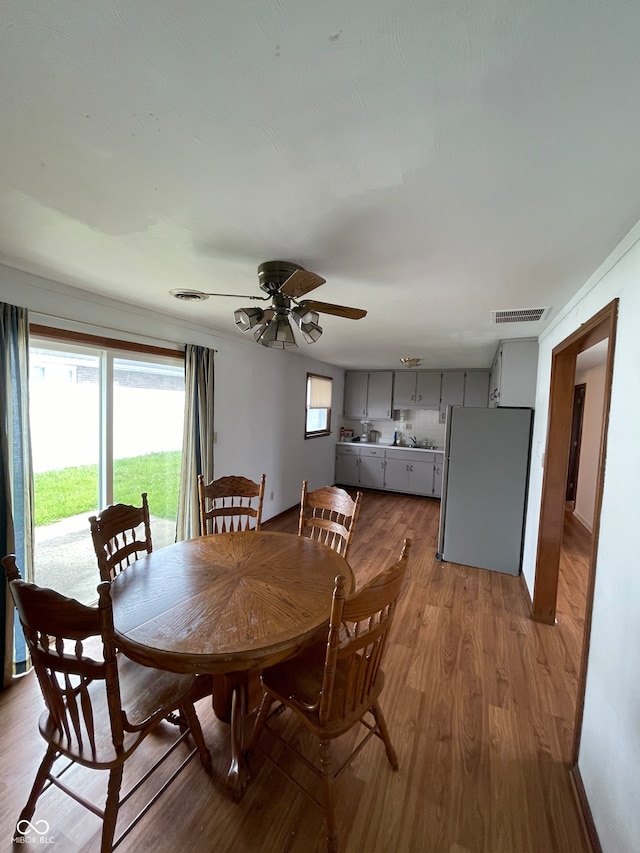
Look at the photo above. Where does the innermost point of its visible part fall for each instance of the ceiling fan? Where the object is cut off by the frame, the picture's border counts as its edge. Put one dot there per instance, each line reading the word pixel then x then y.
pixel 284 284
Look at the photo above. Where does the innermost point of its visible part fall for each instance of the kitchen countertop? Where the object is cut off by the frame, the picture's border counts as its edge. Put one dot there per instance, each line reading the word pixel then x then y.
pixel 392 446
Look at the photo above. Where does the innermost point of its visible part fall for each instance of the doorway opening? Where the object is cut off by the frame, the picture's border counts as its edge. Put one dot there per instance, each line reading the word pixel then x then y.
pixel 601 327
pixel 579 392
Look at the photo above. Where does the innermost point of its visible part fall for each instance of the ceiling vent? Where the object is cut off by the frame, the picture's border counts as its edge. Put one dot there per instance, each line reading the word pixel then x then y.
pixel 519 315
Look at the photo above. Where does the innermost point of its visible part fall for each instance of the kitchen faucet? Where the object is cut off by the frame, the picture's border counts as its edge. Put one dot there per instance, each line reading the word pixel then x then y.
pixel 414 439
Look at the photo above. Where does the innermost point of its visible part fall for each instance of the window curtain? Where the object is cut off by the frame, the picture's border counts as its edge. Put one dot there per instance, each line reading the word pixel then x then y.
pixel 197 443
pixel 16 476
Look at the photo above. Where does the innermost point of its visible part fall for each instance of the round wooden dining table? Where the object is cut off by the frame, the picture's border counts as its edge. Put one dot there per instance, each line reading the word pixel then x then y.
pixel 226 605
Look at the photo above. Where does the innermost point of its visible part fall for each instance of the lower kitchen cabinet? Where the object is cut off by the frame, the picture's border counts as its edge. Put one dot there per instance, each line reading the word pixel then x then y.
pixel 413 472
pixel 437 478
pixel 408 471
pixel 348 465
pixel 372 473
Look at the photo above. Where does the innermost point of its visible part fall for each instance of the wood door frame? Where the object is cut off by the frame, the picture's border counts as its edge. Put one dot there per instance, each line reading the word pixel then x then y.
pixel 601 326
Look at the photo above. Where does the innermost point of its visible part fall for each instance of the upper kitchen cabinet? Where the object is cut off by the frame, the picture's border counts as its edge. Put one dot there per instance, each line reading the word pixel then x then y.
pixel 368 394
pixel 416 388
pixel 379 394
pixel 356 383
pixel 514 373
pixel 404 389
pixel 452 391
pixel 476 388
pixel 428 385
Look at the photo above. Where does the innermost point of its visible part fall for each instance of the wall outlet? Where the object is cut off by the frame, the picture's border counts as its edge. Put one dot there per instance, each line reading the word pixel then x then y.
pixel 408 426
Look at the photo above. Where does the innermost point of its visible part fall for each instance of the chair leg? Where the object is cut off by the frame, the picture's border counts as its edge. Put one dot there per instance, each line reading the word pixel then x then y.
pixel 261 719
pixel 40 781
pixel 329 810
pixel 384 734
pixel 111 809
pixel 196 730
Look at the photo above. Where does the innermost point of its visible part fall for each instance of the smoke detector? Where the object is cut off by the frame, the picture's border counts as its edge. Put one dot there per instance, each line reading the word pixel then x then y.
pixel 410 362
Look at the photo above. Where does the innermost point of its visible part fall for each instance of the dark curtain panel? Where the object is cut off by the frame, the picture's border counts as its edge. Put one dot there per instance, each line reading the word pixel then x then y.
pixel 197 444
pixel 16 475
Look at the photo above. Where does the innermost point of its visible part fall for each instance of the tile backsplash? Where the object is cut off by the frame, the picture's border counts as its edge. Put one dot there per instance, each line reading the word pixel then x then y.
pixel 424 424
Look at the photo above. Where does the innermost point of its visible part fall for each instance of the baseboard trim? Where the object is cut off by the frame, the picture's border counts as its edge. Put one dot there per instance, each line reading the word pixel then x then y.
pixel 277 517
pixel 584 809
pixel 527 594
pixel 582 522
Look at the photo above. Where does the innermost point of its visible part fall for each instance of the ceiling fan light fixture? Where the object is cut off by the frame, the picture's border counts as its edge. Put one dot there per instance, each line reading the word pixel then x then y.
pixel 303 315
pixel 247 318
pixel 277 333
pixel 310 332
pixel 408 361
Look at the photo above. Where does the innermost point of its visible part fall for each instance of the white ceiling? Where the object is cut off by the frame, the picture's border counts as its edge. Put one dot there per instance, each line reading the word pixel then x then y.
pixel 432 159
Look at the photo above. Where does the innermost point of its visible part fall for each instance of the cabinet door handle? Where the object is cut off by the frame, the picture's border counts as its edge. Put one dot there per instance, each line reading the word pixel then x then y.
pixel 413 398
pixel 419 397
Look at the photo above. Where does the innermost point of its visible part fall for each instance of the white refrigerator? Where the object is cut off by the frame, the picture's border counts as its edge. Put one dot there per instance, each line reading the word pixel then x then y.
pixel 484 488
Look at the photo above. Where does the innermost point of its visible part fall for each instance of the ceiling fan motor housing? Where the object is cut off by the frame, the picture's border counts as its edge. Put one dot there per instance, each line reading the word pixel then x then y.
pixel 273 274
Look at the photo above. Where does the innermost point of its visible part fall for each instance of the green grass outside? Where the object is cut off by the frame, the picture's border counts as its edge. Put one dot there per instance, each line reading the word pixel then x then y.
pixel 72 491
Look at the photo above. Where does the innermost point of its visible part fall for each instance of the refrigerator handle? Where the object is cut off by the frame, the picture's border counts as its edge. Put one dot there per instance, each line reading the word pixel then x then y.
pixel 445 478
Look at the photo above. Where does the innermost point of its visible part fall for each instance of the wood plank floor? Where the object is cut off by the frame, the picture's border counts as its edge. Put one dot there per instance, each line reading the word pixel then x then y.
pixel 480 705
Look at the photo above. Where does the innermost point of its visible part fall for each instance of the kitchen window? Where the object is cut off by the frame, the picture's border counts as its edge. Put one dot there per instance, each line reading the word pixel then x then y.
pixel 318 405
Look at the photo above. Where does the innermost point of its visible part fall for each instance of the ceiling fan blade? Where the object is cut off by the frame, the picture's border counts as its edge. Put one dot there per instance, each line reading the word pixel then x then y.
pixel 301 282
pixel 338 310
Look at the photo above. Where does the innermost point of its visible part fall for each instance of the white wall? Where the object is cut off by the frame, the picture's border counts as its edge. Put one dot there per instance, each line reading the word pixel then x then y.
pixel 593 378
pixel 610 745
pixel 259 393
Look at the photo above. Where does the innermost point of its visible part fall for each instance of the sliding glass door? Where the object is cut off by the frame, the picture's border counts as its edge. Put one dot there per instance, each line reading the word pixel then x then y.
pixel 105 426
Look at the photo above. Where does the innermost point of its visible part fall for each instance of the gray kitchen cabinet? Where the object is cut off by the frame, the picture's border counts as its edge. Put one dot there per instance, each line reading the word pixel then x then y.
pixel 355 393
pixel 372 461
pixel 367 394
pixel 437 478
pixel 428 385
pixel 347 465
pixel 514 373
pixel 416 389
pixel 404 389
pixel 379 394
pixel 421 477
pixel 415 472
pixel 452 391
pixel 396 474
pixel 476 388
pixel 409 472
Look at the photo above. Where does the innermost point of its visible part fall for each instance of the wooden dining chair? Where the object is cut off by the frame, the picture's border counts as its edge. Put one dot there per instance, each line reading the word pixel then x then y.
pixel 333 685
pixel 329 515
pixel 100 706
pixel 121 533
pixel 230 503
